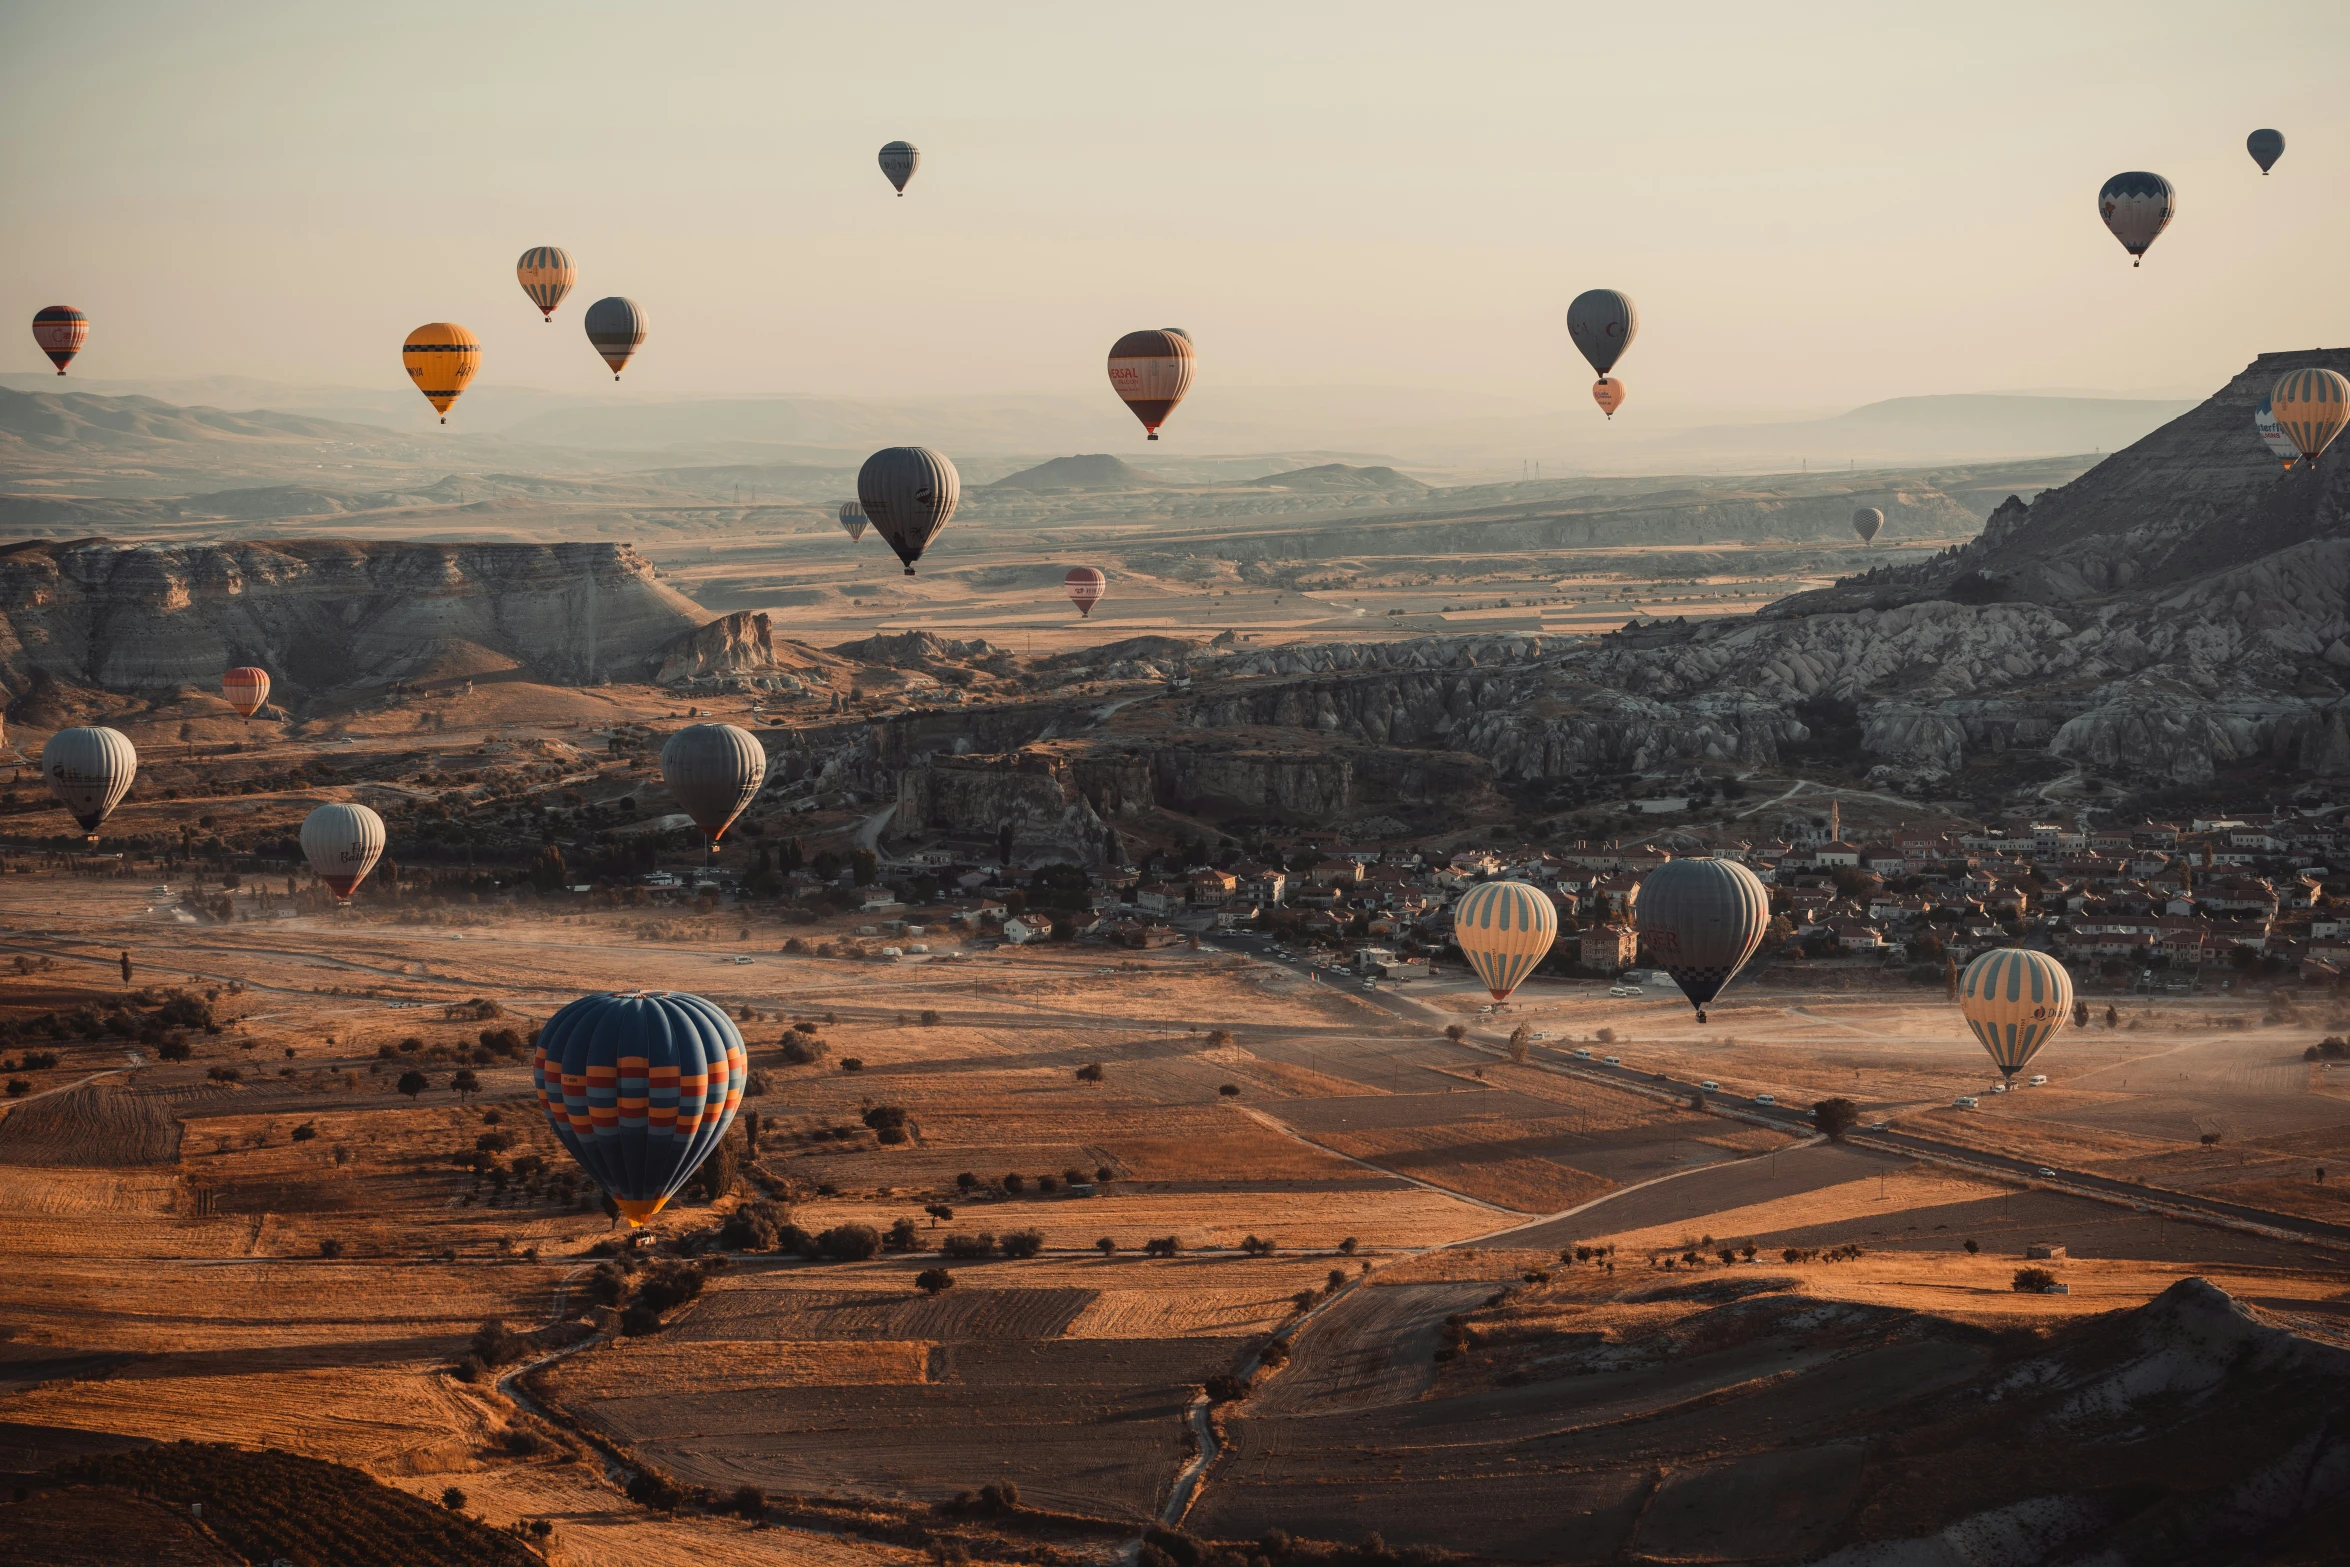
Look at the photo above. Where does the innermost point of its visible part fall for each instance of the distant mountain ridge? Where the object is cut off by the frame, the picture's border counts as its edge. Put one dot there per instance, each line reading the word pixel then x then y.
pixel 1093 471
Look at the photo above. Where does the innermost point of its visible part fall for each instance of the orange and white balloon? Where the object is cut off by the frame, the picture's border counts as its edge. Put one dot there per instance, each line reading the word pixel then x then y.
pixel 1608 392
pixel 246 689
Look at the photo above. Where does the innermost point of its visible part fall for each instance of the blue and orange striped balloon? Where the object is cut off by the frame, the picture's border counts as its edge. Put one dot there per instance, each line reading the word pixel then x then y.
pixel 546 275
pixel 640 1087
pixel 2015 1000
pixel 2310 406
pixel 1504 929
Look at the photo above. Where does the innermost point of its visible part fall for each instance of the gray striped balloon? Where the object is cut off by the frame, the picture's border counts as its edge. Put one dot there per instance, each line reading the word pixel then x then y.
pixel 908 493
pixel 1700 920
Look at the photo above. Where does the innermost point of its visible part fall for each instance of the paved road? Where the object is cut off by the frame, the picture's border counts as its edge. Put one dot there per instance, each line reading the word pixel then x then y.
pixel 1797 1123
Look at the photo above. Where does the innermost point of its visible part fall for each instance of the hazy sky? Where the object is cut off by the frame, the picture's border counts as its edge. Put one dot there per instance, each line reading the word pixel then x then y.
pixel 1813 205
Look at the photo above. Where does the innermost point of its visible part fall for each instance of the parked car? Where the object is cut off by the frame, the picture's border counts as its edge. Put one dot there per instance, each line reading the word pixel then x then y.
pixel 1582 1055
pixel 1963 1102
pixel 1612 1060
pixel 1710 1085
pixel 2038 1080
pixel 1766 1099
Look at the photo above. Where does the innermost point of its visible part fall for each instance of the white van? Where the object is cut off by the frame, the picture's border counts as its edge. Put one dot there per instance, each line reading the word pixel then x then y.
pixel 1999 1088
pixel 2038 1080
pixel 1612 1060
pixel 1582 1055
pixel 1710 1086
pixel 1963 1102
pixel 1766 1099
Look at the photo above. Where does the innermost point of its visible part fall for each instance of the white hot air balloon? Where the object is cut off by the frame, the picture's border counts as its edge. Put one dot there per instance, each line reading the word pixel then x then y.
pixel 89 770
pixel 342 843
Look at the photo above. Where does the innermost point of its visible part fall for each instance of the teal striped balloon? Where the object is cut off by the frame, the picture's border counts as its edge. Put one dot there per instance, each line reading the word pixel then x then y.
pixel 2015 1000
pixel 1504 929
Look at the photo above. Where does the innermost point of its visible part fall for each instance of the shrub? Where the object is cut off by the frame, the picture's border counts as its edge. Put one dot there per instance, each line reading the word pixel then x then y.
pixel 849 1243
pixel 1047 1185
pixel 637 1321
pixel 933 1281
pixel 1023 1243
pixel 967 1248
pixel 1254 1247
pixel 1337 1278
pixel 966 1182
pixel 2209 1139
pixel 1106 1246
pixel 229 1074
pixel 1162 1246
pixel 1229 1090
pixel 1973 1246
pixel 1015 1183
pixel 651 1490
pixel 748 1501
pixel 330 1248
pixel 929 1018
pixel 411 1083
pixel 748 1229
pixel 2031 1281
pixel 1104 1175
pixel 901 1237
pixel 885 1117
pixel 1455 1032
pixel 1091 1072
pixel 1274 1355
pixel 804 1049
pixel 1346 1248
pixel 852 1063
pixel 453 1499
pixel 173 1050
pixel 1224 1388
pixel 1219 1038
pixel 18 1087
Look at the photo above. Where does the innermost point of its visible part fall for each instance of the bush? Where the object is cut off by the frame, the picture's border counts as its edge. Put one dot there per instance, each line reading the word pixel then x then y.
pixel 1346 1248
pixel 453 1499
pixel 852 1063
pixel 306 1132
pixel 1229 1090
pixel 1162 1246
pixel 173 1050
pixel 849 1243
pixel 902 1236
pixel 330 1249
pixel 804 1049
pixel 1835 1117
pixel 883 1118
pixel 929 1018
pixel 2032 1281
pixel 1223 1388
pixel 1254 1247
pixel 2209 1139
pixel 637 1321
pixel 1455 1032
pixel 748 1501
pixel 650 1490
pixel 1091 1072
pixel 934 1281
pixel 1274 1355
pixel 222 1074
pixel 1106 1246
pixel 1046 1185
pixel 411 1083
pixel 967 1248
pixel 1023 1244
pixel 1015 1183
pixel 966 1182
pixel 1973 1246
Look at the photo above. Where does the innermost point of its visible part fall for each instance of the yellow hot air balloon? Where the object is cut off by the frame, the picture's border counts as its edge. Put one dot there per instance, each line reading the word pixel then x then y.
pixel 1504 929
pixel 2310 406
pixel 2015 1000
pixel 546 275
pixel 441 357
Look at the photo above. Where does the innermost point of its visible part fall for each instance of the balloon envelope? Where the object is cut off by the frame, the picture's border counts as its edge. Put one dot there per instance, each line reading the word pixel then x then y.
pixel 2272 434
pixel 246 689
pixel 441 358
pixel 2014 1000
pixel 1086 587
pixel 908 493
pixel 713 771
pixel 1866 522
pixel 2310 406
pixel 1150 371
pixel 2136 206
pixel 546 275
pixel 1608 392
pixel 899 160
pixel 615 327
pixel 342 843
pixel 852 519
pixel 1700 920
pixel 61 331
pixel 89 770
pixel 1504 929
pixel 2266 147
pixel 1603 323
pixel 639 1088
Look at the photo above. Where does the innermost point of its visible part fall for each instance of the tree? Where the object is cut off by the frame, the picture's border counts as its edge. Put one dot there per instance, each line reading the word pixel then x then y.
pixel 1091 1072
pixel 413 1083
pixel 849 1243
pixel 748 1501
pixel 1521 1041
pixel 865 867
pixel 1973 1246
pixel 453 1499
pixel 1230 1090
pixel 547 871
pixel 1107 1246
pixel 1455 1032
pixel 2032 1281
pixel 2113 1019
pixel 465 1084
pixel 1835 1117
pixel 1023 1243
pixel 966 1182
pixel 934 1281
pixel 126 967
pixel 939 1212
pixel 718 1173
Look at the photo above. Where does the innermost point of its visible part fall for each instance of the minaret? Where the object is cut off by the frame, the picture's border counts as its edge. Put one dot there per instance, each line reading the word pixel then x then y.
pixel 1835 821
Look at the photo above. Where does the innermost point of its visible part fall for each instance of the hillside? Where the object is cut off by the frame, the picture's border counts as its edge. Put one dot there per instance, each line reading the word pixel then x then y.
pixel 1339 476
pixel 1094 471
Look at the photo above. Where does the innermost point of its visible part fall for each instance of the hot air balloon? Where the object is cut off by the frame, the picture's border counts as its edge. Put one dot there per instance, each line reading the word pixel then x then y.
pixel 2015 1001
pixel 1701 920
pixel 615 327
pixel 1176 331
pixel 1608 392
pixel 713 770
pixel 61 331
pixel 1603 323
pixel 2273 436
pixel 899 160
pixel 342 843
pixel 853 520
pixel 441 357
pixel 640 1087
pixel 2136 206
pixel 1504 928
pixel 2310 406
pixel 89 770
pixel 908 493
pixel 547 275
pixel 1086 587
pixel 246 689
pixel 1151 371
pixel 1866 522
pixel 2266 147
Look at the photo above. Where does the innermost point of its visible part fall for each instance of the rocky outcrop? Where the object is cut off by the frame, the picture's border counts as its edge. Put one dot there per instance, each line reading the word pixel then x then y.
pixel 1034 794
pixel 742 643
pixel 327 613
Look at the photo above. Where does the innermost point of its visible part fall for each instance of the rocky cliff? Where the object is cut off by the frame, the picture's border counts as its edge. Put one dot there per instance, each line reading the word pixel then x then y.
pixel 330 613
